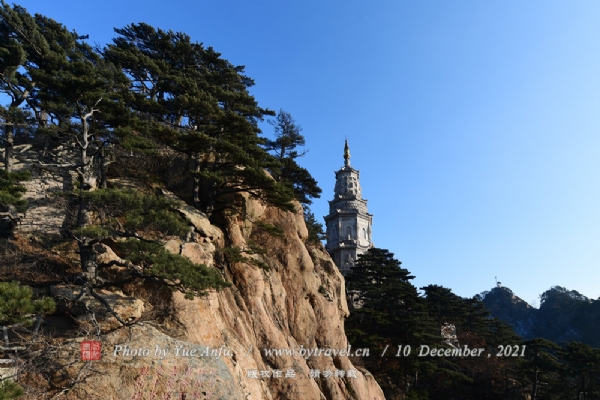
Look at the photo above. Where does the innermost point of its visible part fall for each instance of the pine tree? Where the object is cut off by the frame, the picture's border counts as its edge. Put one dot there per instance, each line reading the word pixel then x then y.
pixel 18 309
pixel 197 103
pixel 315 228
pixel 287 137
pixel 581 372
pixel 19 35
pixel 389 314
pixel 480 377
pixel 11 191
pixel 143 220
pixel 70 88
pixel 287 170
pixel 540 366
pixel 10 390
pixel 11 201
pixel 17 305
pixel 76 98
pixel 78 91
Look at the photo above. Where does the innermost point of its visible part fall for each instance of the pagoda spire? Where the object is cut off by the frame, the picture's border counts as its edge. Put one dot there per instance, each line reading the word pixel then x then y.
pixel 348 224
pixel 346 154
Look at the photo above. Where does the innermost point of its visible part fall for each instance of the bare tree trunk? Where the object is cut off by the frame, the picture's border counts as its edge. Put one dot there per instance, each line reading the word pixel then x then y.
pixel 85 172
pixel 83 212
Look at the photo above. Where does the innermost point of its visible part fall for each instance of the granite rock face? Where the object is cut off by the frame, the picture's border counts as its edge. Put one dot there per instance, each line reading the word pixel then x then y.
pixel 297 302
pixel 89 310
pixel 286 294
pixel 142 363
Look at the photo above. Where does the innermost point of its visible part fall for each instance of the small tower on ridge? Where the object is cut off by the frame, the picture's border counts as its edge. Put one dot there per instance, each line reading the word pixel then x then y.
pixel 348 225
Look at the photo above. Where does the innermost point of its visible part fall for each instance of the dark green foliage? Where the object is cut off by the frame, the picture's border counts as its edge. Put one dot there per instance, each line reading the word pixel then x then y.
pixel 93 232
pixel 192 100
pixel 15 82
pixel 156 262
pixel 546 371
pixel 70 89
pixel 10 390
pixel 234 255
pixel 17 305
pixel 254 248
pixel 11 192
pixel 388 312
pixel 445 306
pixel 468 315
pixel 479 377
pixel 287 137
pixel 118 209
pixel 561 308
pixel 272 230
pixel 581 374
pixel 287 170
pixel 380 282
pixel 315 228
pixel 540 367
pixel 299 180
pixel 127 212
pixel 393 314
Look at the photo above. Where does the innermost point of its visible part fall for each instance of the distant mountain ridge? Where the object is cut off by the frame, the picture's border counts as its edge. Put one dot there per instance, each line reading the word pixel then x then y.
pixel 564 315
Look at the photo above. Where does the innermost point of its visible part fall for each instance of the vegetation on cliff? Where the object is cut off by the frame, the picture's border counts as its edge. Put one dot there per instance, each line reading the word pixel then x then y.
pixel 148 92
pixel 154 108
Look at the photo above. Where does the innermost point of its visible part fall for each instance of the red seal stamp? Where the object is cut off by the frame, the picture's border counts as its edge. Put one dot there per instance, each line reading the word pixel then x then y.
pixel 91 350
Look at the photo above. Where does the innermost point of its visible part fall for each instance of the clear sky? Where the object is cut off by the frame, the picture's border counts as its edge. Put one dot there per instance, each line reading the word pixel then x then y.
pixel 475 124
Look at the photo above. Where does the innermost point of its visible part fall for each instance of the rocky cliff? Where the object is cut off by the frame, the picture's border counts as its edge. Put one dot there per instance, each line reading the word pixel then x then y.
pixel 503 304
pixel 564 315
pixel 286 295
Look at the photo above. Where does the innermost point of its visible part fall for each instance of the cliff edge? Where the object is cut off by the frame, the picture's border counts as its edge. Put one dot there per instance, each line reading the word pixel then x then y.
pixel 286 295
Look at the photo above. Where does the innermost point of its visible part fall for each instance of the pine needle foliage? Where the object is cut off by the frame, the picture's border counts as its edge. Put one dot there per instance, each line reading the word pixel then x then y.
pixel 270 229
pixel 198 103
pixel 285 149
pixel 127 212
pixel 93 232
pixel 129 209
pixel 315 228
pixel 234 255
pixel 17 305
pixel 10 390
pixel 156 262
pixel 11 192
pixel 387 312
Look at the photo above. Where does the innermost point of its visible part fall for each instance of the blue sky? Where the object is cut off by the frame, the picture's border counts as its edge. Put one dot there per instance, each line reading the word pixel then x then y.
pixel 474 123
